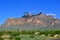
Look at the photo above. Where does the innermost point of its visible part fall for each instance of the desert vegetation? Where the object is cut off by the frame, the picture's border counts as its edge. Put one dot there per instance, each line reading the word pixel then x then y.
pixel 30 35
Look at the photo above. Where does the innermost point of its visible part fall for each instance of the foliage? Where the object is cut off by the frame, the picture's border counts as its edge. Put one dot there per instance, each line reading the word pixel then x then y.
pixel 17 33
pixel 32 36
pixel 11 38
pixel 17 38
pixel 1 33
pixel 14 33
pixel 1 38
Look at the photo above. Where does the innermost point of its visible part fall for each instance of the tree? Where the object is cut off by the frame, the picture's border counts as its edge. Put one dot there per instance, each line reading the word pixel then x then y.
pixel 40 13
pixel 26 15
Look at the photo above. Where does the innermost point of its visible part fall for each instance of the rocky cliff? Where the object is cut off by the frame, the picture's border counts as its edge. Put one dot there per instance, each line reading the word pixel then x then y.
pixel 37 20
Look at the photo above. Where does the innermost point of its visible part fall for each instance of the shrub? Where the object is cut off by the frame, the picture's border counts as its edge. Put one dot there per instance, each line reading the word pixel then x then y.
pixel 14 33
pixel 1 33
pixel 11 38
pixel 17 38
pixel 32 36
pixel 1 38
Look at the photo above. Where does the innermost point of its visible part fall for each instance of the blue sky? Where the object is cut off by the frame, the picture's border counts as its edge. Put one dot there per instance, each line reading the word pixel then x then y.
pixel 15 8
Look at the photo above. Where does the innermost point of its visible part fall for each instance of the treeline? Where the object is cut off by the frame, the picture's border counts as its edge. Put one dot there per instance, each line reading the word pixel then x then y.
pixel 28 15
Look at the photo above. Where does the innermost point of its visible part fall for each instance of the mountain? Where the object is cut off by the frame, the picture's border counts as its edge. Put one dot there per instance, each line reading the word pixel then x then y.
pixel 31 22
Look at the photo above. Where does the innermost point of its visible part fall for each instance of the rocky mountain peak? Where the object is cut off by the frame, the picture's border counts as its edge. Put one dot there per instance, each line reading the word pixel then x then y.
pixel 37 19
pixel 31 22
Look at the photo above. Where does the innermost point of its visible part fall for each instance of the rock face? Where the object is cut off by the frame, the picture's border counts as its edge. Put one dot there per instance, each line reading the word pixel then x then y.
pixel 39 19
pixel 35 20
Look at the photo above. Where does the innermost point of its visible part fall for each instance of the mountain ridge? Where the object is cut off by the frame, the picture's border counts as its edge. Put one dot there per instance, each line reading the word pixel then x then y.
pixel 37 20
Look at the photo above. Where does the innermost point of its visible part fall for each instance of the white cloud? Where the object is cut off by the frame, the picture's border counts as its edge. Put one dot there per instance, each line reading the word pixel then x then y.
pixel 51 14
pixel 54 15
